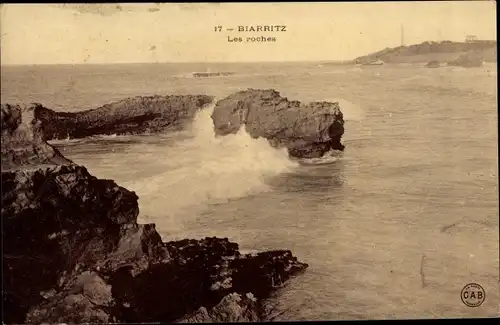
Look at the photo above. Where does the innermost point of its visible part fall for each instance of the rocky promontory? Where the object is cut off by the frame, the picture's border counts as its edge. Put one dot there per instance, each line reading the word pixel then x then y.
pixel 443 51
pixel 307 131
pixel 136 115
pixel 73 251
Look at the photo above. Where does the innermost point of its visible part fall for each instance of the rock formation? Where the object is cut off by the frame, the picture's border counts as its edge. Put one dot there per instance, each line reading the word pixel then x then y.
pixel 135 115
pixel 308 131
pixel 211 74
pixel 433 64
pixel 74 253
pixel 468 60
pixel 22 140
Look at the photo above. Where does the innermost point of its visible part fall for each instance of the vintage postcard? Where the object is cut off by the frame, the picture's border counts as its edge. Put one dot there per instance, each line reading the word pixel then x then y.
pixel 229 162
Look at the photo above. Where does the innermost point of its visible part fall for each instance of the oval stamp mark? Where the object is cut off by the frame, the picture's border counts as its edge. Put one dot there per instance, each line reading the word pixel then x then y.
pixel 473 295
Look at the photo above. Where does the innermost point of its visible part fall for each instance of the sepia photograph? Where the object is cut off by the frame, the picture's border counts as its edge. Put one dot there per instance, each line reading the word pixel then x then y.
pixel 249 162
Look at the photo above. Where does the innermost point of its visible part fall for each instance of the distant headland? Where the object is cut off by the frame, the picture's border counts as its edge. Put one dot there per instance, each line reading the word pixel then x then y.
pixel 444 51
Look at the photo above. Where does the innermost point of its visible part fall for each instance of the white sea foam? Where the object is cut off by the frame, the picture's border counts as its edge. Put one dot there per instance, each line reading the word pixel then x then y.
pixel 416 77
pixel 326 159
pixel 350 110
pixel 205 169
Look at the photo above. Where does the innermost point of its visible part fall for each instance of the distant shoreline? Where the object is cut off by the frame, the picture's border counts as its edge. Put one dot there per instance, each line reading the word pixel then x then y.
pixel 417 53
pixel 172 63
pixel 444 51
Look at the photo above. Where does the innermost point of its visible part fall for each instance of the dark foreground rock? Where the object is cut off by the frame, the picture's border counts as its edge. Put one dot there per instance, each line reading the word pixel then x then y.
pixel 308 131
pixel 74 253
pixel 22 140
pixel 135 115
pixel 232 308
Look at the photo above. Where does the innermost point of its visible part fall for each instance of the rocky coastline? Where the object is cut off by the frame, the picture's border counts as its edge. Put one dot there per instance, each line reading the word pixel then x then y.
pixel 136 115
pixel 306 130
pixel 444 51
pixel 74 252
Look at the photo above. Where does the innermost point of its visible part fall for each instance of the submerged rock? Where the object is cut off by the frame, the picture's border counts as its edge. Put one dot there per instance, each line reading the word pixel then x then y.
pixel 308 131
pixel 141 114
pixel 74 253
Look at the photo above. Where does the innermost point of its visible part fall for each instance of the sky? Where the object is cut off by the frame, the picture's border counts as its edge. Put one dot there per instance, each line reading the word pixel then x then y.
pixel 136 33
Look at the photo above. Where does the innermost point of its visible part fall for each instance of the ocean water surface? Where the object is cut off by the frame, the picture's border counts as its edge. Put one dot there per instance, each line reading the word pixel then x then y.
pixel 394 227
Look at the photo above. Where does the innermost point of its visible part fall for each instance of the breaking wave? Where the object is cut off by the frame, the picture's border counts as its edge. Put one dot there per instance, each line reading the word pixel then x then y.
pixel 204 169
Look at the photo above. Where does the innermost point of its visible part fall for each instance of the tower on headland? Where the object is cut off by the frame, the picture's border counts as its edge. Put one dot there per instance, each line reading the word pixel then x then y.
pixel 470 38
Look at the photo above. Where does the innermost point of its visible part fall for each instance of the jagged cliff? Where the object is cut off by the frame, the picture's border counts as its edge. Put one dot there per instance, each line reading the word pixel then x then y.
pixel 307 131
pixel 74 252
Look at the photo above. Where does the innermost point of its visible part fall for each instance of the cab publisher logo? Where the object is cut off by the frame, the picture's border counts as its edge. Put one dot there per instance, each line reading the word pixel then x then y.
pixel 473 295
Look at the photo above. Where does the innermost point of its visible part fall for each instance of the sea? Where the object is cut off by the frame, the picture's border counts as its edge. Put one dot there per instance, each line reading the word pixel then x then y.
pixel 394 227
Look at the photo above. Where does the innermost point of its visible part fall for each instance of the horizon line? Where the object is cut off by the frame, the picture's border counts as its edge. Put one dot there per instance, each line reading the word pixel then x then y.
pixel 228 62
pixel 171 62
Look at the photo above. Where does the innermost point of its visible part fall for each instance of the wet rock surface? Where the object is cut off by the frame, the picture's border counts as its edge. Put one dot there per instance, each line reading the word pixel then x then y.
pixel 306 130
pixel 74 253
